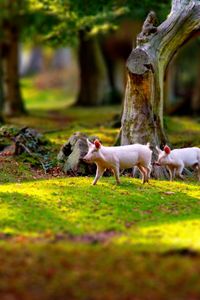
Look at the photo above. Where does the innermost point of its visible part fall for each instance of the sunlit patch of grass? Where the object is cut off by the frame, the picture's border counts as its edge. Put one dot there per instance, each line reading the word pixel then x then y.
pixel 147 217
pixel 184 124
pixel 44 99
pixel 106 135
pixel 183 131
pixel 52 110
pixel 181 234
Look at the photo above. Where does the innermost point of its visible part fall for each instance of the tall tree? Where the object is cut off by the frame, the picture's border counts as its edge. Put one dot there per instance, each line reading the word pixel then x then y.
pixel 196 95
pixel 9 42
pixel 1 92
pixel 142 119
pixel 94 82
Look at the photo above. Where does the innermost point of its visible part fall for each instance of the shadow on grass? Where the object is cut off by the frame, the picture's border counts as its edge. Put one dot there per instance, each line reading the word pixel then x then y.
pixel 25 214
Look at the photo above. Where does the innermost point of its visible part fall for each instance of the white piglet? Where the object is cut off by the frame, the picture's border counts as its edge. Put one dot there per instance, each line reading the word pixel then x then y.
pixel 119 157
pixel 176 160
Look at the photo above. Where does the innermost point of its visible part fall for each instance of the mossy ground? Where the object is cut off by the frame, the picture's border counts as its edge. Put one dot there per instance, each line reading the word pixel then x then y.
pixel 62 238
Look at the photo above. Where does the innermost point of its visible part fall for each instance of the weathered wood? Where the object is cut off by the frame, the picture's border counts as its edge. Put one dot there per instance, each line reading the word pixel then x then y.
pixel 71 155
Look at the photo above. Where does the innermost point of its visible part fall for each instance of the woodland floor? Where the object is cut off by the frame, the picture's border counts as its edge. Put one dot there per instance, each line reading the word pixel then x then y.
pixel 61 238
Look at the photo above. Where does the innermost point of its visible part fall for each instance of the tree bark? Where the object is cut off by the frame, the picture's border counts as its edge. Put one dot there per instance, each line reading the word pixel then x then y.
pixel 13 104
pixel 94 84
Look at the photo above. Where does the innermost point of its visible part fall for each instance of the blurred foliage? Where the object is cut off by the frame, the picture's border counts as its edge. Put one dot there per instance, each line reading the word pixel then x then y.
pixel 28 21
pixel 12 12
pixel 38 270
pixel 187 67
pixel 93 17
pixel 10 9
pixel 60 21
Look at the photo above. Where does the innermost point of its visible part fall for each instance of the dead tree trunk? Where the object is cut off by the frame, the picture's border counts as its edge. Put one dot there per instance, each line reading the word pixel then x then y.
pixel 142 119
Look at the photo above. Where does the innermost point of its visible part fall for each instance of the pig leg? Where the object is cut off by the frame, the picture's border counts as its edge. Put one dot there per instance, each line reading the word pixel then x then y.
pixel 99 173
pixel 134 171
pixel 143 173
pixel 116 173
pixel 171 173
pixel 179 171
pixel 148 172
pixel 198 171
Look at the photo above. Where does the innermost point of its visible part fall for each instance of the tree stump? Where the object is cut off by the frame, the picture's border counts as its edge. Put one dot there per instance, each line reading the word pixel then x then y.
pixel 71 155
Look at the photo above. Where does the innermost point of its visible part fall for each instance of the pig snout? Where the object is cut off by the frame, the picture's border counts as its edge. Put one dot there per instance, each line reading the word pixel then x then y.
pixel 86 158
pixel 156 163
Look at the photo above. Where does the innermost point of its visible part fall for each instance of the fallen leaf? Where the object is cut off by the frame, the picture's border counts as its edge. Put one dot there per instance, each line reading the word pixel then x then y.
pixel 168 193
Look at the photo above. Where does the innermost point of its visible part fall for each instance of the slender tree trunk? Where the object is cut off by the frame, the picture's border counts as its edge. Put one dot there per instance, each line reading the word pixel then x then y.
pixel 169 88
pixel 35 63
pixel 94 84
pixel 195 105
pixel 115 96
pixel 142 119
pixel 13 104
pixel 1 91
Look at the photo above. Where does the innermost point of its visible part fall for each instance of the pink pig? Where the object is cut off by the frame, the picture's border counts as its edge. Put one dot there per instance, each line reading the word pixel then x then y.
pixel 119 157
pixel 176 160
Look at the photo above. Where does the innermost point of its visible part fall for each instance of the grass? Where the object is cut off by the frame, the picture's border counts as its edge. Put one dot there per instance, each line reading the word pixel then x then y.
pixel 142 216
pixel 61 238
pixel 183 131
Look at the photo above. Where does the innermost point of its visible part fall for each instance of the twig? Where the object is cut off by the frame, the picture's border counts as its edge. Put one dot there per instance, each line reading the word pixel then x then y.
pixel 33 155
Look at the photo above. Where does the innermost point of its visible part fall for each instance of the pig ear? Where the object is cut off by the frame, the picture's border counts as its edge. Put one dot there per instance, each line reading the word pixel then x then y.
pixel 97 144
pixel 167 149
pixel 158 149
pixel 89 143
